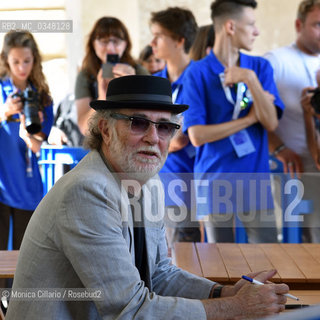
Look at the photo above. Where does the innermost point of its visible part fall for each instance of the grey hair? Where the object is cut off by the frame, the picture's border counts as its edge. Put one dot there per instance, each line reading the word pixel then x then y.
pixel 93 139
pixel 176 118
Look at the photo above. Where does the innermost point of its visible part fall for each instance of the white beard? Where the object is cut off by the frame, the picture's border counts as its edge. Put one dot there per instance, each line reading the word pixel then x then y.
pixel 132 163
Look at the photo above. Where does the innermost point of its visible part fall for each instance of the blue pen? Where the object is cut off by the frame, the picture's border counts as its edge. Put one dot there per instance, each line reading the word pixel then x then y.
pixel 261 284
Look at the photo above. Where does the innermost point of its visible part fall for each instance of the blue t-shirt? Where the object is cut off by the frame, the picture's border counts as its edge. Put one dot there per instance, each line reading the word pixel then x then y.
pixel 181 161
pixel 217 161
pixel 179 164
pixel 19 189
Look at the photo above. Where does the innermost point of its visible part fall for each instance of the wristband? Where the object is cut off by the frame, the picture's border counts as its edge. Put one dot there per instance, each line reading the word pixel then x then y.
pixel 216 291
pixel 278 150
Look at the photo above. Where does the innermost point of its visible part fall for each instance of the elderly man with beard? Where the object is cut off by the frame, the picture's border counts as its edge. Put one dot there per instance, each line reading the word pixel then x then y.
pixel 95 247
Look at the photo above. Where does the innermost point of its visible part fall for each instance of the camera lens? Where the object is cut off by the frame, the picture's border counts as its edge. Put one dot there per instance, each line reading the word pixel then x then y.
pixel 32 120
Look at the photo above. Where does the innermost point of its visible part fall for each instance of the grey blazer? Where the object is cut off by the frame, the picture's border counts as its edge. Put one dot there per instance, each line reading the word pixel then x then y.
pixel 80 236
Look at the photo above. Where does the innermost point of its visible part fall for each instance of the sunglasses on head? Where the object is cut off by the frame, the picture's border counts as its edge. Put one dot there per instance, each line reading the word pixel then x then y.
pixel 140 125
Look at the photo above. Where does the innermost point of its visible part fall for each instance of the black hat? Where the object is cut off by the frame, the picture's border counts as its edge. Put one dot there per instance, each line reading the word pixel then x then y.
pixel 139 92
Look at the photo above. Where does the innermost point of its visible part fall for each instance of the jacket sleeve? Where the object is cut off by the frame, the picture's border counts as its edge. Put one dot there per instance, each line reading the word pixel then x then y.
pixel 169 280
pixel 90 233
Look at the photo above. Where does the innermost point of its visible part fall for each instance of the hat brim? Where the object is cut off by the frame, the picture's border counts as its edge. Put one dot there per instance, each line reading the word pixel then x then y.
pixel 148 105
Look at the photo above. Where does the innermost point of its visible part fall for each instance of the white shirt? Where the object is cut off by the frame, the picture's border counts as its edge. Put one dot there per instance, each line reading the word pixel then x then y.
pixel 293 71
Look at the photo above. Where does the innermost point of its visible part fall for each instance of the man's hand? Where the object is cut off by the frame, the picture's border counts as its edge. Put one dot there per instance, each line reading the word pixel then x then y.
pixel 264 103
pixel 258 301
pixel 262 276
pixel 236 74
pixel 291 161
pixel 247 301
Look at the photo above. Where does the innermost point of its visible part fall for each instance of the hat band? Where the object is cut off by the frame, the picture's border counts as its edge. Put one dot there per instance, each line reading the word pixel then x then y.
pixel 140 97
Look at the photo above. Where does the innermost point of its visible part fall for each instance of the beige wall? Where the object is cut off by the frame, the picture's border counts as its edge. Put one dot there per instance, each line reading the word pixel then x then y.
pixel 275 19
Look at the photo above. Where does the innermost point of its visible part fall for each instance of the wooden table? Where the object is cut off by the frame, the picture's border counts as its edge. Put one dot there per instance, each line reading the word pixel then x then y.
pixel 8 262
pixel 298 265
pixel 309 297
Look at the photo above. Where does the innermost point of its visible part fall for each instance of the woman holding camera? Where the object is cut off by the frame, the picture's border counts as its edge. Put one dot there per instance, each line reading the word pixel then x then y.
pixel 109 36
pixel 23 88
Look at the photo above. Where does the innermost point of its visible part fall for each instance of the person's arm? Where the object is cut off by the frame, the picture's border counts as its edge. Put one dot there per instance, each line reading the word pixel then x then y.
pixel 311 132
pixel 83 108
pixel 84 112
pixel 241 300
pixel 83 96
pixel 201 134
pixel 178 142
pixel 169 280
pixel 84 93
pixel 33 141
pixel 46 118
pixel 264 108
pixel 250 302
pixel 291 161
pixel 312 138
pixel 11 106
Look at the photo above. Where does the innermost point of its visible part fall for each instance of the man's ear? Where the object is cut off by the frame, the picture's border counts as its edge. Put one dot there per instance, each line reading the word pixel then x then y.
pixel 105 130
pixel 180 43
pixel 298 25
pixel 230 26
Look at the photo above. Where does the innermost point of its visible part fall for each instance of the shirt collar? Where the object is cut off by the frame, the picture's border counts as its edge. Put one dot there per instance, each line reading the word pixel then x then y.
pixel 164 73
pixel 218 67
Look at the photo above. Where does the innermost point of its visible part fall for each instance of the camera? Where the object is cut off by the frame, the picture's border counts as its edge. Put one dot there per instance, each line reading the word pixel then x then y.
pixel 29 99
pixel 111 59
pixel 315 100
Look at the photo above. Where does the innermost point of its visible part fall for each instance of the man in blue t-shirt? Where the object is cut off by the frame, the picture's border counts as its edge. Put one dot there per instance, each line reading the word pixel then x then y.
pixel 174 30
pixel 233 103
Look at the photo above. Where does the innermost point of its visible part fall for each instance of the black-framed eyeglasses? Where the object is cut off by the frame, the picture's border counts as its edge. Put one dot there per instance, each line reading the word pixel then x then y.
pixel 113 40
pixel 140 125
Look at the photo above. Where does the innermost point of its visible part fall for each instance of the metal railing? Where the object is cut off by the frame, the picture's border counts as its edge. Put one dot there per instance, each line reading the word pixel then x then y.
pixel 52 157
